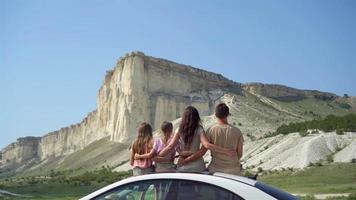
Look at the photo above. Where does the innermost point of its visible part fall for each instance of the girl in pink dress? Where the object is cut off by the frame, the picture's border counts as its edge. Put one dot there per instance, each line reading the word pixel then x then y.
pixel 142 144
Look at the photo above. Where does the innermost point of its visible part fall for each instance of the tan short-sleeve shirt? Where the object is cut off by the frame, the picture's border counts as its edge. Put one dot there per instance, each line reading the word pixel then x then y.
pixel 227 136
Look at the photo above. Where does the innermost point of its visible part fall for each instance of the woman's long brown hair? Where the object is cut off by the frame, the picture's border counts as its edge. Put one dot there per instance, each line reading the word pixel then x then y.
pixel 143 139
pixel 190 122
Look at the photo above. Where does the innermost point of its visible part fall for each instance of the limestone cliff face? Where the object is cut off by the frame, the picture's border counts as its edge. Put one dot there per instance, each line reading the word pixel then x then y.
pixel 22 150
pixel 139 88
pixel 142 88
pixel 70 139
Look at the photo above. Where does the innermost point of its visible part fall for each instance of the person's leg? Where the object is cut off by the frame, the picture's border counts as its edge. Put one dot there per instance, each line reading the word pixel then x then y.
pixel 136 171
pixel 142 197
pixel 157 191
pixel 143 189
pixel 165 168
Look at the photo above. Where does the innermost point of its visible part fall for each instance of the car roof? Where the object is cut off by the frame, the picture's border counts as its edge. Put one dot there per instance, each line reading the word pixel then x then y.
pixel 236 178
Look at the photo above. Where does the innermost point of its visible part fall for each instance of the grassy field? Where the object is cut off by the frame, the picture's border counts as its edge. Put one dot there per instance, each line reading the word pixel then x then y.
pixel 331 178
pixel 51 191
pixel 59 185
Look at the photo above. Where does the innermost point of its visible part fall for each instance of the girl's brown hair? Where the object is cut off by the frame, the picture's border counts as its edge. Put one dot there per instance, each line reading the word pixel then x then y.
pixel 166 128
pixel 143 139
pixel 190 122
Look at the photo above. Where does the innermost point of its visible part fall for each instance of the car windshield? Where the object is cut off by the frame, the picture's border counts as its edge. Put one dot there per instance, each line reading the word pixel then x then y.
pixel 168 189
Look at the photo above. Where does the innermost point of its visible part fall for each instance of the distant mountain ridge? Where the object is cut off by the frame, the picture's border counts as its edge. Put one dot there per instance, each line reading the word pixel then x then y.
pixel 284 93
pixel 143 88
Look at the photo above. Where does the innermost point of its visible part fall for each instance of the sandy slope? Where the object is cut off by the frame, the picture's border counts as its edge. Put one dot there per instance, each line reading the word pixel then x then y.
pixel 294 151
pixel 346 154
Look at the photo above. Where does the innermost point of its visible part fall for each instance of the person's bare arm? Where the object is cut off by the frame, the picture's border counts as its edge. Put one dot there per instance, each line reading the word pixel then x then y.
pixel 146 155
pixel 215 148
pixel 132 157
pixel 185 153
pixel 198 154
pixel 170 146
pixel 239 149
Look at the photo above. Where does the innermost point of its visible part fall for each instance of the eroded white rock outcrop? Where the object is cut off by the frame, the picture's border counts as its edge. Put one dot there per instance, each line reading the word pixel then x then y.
pixel 21 150
pixel 294 151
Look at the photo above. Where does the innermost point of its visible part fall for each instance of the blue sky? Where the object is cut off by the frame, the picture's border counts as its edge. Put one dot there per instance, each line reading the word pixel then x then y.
pixel 54 54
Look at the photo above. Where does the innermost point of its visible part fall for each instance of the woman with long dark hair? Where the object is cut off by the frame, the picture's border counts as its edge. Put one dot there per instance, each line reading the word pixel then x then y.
pixel 189 136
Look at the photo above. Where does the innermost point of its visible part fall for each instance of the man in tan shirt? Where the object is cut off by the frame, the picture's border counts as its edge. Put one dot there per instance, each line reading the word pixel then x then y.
pixel 227 136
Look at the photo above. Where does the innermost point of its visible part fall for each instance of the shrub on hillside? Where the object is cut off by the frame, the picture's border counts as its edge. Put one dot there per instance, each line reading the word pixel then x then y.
pixel 315 131
pixel 290 169
pixel 251 137
pixel 247 173
pixel 345 106
pixel 328 124
pixel 303 133
pixel 329 158
pixel 352 196
pixel 338 149
pixel 339 132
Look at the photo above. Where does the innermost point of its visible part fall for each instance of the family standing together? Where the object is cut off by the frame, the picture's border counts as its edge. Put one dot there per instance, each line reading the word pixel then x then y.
pixel 189 142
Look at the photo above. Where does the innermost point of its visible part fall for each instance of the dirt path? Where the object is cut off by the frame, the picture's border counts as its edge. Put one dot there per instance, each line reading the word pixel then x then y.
pixel 325 196
pixel 7 193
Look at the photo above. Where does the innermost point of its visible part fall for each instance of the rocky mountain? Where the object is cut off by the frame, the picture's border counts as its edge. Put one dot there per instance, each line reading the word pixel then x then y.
pixel 143 88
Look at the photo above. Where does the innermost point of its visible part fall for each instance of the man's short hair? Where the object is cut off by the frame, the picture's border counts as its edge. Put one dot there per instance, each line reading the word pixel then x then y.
pixel 222 111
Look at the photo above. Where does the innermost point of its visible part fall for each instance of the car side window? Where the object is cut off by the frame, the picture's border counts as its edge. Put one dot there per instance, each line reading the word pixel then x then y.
pixel 184 189
pixel 168 190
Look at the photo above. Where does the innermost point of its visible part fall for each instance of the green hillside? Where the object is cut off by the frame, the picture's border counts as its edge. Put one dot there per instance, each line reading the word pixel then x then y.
pixel 327 124
pixel 331 178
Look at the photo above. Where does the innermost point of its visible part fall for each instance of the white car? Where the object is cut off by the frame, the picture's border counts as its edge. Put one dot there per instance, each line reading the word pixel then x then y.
pixel 188 186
